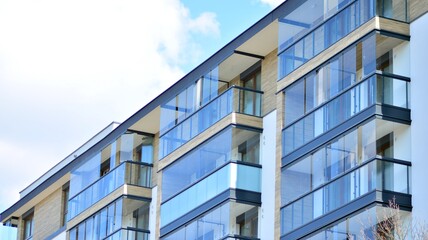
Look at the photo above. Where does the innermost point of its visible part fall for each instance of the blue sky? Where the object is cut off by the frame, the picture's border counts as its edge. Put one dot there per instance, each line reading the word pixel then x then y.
pixel 69 68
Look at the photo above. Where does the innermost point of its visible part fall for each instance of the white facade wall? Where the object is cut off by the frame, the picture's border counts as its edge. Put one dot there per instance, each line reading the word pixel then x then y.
pixel 419 115
pixel 153 212
pixel 268 150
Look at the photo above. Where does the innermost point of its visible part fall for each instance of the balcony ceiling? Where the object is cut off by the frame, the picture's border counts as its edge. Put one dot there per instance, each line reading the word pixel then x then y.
pixel 149 123
pixel 261 44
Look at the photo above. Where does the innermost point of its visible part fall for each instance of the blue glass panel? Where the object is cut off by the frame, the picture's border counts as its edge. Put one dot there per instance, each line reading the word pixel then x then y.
pixel 230 176
pixel 365 179
pixel 294 102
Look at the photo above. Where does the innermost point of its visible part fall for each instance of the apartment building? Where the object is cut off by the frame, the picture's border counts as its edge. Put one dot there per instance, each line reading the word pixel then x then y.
pixel 304 126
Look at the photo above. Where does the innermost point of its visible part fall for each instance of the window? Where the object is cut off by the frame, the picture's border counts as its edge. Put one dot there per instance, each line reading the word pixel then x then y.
pixel 28 226
pixel 250 149
pixel 65 195
pixel 105 168
pixel 248 223
pixel 251 99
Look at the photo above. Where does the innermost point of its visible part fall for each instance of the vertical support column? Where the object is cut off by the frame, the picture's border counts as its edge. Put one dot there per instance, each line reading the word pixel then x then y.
pixel 153 213
pixel 268 161
pixel 419 116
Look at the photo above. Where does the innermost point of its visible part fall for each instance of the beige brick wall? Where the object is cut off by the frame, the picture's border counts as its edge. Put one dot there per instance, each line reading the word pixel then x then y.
pixel 269 77
pixel 47 215
pixel 155 160
pixel 20 234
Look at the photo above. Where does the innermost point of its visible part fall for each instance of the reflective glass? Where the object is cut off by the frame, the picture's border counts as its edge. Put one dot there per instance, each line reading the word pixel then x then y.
pixel 294 102
pixel 373 175
pixel 375 89
pixel 216 223
pixel 123 213
pixel 128 172
pixel 296 180
pixel 233 100
pixel 321 36
pixel 89 228
pixel 355 147
pixel 85 174
pixel 350 227
pixel 298 29
pixel 231 144
pixel 235 176
pixel 81 231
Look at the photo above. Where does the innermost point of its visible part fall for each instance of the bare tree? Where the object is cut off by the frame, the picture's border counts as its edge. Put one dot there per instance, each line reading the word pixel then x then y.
pixel 392 225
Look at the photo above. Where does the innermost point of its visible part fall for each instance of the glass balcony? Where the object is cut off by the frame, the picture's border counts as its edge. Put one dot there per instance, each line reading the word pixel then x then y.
pixel 232 175
pixel 128 172
pixel 302 38
pixel 125 218
pixel 130 146
pixel 376 138
pixel 376 89
pixel 363 222
pixel 235 99
pixel 231 220
pixel 129 234
pixel 374 175
pixel 231 144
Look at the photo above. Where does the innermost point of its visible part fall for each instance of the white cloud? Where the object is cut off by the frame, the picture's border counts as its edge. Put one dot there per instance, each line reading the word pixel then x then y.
pixel 19 167
pixel 68 68
pixel 272 3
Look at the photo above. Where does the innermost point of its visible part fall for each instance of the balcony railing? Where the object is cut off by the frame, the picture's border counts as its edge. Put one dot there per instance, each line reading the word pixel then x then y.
pixel 232 175
pixel 374 175
pixel 376 89
pixel 128 172
pixel 235 99
pixel 238 237
pixel 129 234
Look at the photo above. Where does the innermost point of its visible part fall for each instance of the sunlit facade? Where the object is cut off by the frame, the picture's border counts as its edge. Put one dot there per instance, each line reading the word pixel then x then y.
pixel 305 126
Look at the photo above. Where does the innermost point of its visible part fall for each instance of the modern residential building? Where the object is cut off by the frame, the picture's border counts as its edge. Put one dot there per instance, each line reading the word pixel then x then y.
pixel 304 126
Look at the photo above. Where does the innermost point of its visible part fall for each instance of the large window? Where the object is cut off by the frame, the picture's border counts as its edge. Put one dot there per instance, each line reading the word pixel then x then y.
pixel 251 104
